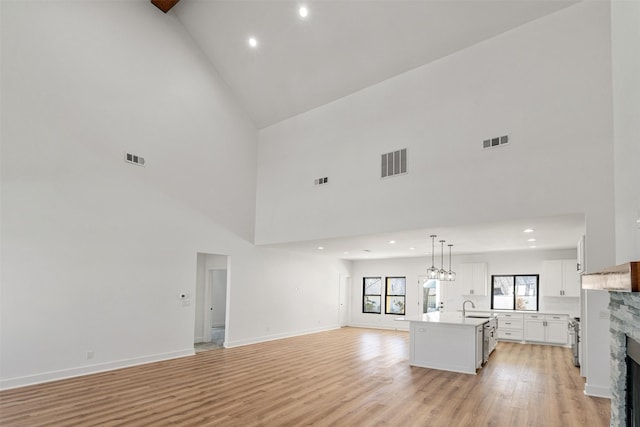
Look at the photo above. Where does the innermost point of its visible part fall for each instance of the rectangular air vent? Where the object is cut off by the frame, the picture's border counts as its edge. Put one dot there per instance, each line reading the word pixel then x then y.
pixel 394 163
pixel 321 181
pixel 496 141
pixel 134 159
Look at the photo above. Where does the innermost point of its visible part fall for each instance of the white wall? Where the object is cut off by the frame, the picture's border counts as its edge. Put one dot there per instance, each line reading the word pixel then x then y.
pixel 625 39
pixel 547 83
pixel 508 262
pixel 625 35
pixel 95 251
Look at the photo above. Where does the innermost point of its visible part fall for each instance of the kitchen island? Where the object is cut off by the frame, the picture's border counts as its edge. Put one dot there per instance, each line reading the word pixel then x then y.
pixel 446 341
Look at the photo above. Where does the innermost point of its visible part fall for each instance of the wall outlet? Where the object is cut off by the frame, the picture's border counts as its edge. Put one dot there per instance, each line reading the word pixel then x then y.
pixel 89 354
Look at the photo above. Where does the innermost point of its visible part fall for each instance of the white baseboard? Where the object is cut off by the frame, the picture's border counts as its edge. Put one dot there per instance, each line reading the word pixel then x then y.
pixel 239 343
pixel 91 369
pixel 198 340
pixel 402 326
pixel 597 391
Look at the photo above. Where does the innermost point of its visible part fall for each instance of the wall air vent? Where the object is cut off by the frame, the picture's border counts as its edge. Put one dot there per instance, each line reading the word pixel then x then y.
pixel 394 163
pixel 321 181
pixel 496 141
pixel 134 159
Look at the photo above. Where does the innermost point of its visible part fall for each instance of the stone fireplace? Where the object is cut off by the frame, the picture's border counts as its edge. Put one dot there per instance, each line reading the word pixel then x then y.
pixel 625 323
pixel 623 284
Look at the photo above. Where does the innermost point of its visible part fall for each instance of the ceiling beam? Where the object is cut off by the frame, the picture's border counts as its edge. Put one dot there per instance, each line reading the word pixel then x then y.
pixel 164 5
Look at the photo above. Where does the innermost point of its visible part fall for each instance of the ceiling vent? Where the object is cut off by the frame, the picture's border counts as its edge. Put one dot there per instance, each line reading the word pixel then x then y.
pixel 321 181
pixel 497 141
pixel 394 163
pixel 134 159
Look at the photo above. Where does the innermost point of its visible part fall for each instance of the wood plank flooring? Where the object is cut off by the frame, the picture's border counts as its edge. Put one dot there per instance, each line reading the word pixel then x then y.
pixel 347 377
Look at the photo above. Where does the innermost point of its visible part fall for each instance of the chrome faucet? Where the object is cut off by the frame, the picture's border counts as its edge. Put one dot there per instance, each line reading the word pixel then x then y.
pixel 464 312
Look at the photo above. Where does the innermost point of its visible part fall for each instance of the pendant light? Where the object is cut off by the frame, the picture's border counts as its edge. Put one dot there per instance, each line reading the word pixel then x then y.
pixel 442 274
pixel 432 272
pixel 451 275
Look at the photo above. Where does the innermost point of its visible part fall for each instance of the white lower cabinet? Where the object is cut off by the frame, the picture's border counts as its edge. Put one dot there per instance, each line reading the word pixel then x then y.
pixel 546 328
pixel 558 329
pixel 539 328
pixel 510 326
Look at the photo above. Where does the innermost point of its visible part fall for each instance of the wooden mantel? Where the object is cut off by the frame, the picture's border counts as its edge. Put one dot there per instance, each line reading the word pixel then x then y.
pixel 625 277
pixel 164 5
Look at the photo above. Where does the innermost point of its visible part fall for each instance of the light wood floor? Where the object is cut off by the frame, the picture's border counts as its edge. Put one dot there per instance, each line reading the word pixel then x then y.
pixel 348 377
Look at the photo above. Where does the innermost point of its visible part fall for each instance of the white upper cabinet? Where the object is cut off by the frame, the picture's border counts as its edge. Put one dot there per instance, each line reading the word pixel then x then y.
pixel 472 278
pixel 560 278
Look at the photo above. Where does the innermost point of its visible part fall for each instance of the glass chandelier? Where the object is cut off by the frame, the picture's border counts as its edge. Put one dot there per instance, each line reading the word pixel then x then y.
pixel 451 275
pixel 442 273
pixel 432 272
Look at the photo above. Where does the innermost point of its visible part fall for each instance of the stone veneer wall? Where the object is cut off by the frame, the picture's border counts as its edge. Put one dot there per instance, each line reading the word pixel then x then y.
pixel 625 321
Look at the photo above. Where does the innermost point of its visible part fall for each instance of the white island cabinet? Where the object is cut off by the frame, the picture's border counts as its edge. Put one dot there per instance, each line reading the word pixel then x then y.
pixel 446 341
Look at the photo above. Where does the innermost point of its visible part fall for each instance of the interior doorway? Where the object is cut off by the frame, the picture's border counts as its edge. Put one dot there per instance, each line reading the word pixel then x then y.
pixel 212 282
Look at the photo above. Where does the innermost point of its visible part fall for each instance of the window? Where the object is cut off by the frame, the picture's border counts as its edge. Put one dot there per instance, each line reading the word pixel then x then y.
pixel 371 294
pixel 514 292
pixel 396 291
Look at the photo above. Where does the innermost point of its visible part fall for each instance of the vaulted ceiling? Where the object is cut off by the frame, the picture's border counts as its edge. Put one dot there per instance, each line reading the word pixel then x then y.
pixel 340 47
pixel 344 46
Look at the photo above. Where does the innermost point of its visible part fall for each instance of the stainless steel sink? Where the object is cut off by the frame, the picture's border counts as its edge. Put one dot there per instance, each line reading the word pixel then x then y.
pixel 479 316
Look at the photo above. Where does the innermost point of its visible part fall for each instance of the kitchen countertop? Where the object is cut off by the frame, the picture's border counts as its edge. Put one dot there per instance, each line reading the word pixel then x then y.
pixel 447 318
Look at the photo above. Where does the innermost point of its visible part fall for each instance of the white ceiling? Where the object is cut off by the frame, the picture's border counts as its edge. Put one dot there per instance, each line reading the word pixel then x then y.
pixel 559 232
pixel 341 47
pixel 345 46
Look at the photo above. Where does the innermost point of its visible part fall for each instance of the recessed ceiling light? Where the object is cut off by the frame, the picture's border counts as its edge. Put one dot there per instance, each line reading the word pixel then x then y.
pixel 528 230
pixel 532 246
pixel 253 42
pixel 391 242
pixel 412 249
pixel 303 12
pixel 531 240
pixel 320 248
pixel 346 252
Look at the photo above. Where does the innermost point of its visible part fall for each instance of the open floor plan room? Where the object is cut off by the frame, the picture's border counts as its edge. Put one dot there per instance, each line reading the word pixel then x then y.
pixel 379 212
pixel 345 377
